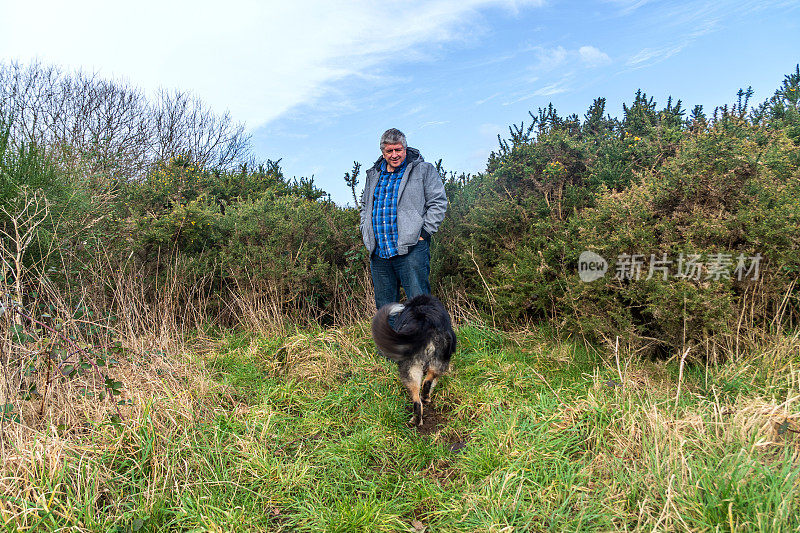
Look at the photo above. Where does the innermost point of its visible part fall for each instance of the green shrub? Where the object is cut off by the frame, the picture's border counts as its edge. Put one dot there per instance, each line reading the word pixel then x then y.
pixel 653 184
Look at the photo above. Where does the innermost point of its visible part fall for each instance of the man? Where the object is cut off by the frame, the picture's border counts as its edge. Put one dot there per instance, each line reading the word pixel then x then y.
pixel 402 206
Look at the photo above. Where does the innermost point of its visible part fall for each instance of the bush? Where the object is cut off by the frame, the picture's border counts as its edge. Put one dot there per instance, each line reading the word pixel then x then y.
pixel 654 184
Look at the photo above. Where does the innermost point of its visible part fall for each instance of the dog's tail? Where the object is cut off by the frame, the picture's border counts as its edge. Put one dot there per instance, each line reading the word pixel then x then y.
pixel 392 344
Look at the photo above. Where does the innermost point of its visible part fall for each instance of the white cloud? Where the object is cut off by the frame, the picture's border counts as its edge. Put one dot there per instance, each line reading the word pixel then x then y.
pixel 558 57
pixel 434 123
pixel 593 57
pixel 649 56
pixel 490 97
pixel 687 22
pixel 257 58
pixel 556 67
pixel 628 6
pixel 550 58
pixel 549 90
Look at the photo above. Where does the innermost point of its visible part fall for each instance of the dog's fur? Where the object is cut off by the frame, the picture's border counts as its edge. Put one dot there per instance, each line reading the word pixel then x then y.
pixel 421 343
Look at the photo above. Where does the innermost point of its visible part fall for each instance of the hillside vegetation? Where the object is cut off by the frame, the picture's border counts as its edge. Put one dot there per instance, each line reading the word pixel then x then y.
pixel 184 341
pixel 306 431
pixel 163 193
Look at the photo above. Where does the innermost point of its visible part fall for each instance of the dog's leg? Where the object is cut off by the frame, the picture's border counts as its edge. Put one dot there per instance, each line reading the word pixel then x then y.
pixel 412 383
pixel 427 385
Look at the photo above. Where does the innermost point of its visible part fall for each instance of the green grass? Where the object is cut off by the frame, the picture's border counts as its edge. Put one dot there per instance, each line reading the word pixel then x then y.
pixel 307 432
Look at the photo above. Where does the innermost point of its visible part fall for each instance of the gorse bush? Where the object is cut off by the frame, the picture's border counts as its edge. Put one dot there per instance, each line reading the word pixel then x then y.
pixel 727 197
pixel 712 204
pixel 238 230
pixel 657 186
pixel 516 218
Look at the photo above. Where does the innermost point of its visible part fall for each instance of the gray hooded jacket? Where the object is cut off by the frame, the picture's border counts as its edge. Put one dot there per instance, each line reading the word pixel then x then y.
pixel 421 202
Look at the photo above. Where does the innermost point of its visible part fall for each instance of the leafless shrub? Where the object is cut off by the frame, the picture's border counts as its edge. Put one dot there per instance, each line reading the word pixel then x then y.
pixel 109 127
pixel 181 125
pixel 27 211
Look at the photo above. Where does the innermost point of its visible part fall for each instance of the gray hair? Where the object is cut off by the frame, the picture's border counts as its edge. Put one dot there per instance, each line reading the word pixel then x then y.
pixel 393 136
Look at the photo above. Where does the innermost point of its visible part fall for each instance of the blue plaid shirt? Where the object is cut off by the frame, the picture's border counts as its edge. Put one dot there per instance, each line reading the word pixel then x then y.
pixel 384 211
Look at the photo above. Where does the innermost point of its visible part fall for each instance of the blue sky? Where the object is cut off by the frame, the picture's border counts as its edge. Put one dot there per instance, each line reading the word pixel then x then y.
pixel 317 82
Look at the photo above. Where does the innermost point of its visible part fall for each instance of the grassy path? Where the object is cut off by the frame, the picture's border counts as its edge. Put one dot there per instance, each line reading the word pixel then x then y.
pixel 307 432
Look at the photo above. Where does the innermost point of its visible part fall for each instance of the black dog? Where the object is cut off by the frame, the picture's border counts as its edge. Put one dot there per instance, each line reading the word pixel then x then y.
pixel 421 343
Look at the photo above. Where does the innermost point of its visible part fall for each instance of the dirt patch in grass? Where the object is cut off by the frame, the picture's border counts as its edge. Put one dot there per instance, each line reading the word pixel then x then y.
pixel 434 418
pixel 432 422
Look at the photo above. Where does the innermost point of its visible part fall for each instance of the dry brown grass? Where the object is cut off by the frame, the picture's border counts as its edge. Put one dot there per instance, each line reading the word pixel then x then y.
pixel 667 448
pixel 69 447
pixel 65 437
pixel 76 434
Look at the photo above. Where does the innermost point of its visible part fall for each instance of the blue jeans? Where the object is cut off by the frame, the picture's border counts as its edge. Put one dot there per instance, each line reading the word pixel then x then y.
pixel 410 270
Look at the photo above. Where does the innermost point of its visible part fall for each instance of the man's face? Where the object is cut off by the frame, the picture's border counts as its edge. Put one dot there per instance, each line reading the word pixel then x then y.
pixel 394 154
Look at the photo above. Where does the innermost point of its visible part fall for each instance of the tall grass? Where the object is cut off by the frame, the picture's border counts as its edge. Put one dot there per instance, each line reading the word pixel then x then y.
pixel 288 430
pixel 201 360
